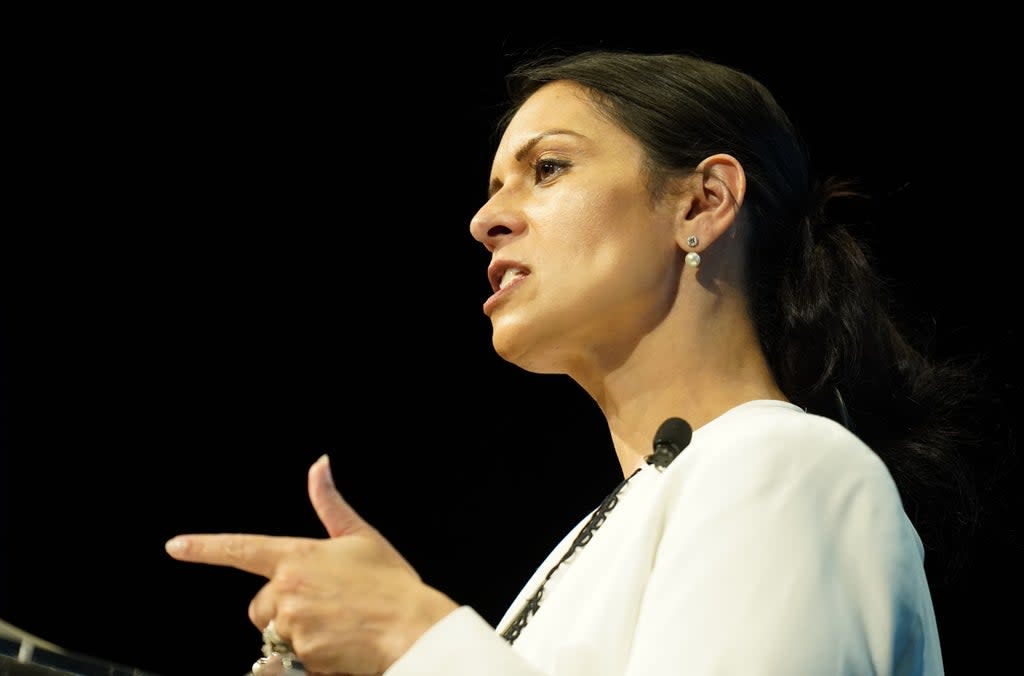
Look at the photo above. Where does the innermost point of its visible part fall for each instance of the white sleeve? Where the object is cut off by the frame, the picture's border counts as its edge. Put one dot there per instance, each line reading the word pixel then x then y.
pixel 791 562
pixel 461 644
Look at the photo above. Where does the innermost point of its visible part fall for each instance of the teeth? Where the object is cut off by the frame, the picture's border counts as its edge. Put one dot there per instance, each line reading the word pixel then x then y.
pixel 509 275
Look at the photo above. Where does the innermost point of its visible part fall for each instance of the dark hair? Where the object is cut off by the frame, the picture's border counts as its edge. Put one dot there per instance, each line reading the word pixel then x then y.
pixel 820 307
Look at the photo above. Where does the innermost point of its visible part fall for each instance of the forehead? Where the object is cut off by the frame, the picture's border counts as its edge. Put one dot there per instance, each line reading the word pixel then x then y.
pixel 557 105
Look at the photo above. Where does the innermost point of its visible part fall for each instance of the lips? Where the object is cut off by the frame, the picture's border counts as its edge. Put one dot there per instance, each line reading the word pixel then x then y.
pixel 504 276
pixel 502 273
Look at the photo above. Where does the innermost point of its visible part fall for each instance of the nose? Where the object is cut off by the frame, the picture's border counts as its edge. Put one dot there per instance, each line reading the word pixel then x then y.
pixel 495 223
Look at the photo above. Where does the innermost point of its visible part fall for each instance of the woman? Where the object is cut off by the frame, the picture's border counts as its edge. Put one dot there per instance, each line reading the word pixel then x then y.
pixel 656 234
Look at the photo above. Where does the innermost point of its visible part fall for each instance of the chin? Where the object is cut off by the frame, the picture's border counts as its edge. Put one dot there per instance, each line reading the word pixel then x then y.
pixel 516 345
pixel 507 346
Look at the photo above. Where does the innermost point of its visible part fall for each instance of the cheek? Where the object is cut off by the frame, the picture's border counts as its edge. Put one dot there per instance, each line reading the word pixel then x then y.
pixel 577 223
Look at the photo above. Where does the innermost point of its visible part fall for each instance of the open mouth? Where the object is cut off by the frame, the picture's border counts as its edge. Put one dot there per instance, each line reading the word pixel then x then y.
pixel 504 274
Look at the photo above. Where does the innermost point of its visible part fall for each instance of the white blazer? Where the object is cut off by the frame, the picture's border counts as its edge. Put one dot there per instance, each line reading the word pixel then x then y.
pixel 775 544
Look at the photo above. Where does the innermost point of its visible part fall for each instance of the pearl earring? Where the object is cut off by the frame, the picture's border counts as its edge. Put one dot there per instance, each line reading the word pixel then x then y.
pixel 692 258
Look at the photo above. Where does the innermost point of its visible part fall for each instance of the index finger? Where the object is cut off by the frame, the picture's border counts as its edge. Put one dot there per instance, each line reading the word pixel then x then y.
pixel 258 554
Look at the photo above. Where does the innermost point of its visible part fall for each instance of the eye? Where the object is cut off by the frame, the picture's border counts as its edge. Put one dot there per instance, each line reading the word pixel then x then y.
pixel 546 168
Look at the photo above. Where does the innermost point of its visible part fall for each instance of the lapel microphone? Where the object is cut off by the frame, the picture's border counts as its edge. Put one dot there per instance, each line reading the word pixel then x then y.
pixel 672 437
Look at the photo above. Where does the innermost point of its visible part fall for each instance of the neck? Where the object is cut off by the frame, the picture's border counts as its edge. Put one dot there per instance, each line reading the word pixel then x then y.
pixel 695 370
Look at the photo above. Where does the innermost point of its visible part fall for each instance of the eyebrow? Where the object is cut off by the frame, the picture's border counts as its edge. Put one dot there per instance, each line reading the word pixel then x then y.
pixel 527 146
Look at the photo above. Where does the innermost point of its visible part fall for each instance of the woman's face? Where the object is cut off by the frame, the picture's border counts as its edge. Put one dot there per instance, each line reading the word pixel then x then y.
pixel 583 261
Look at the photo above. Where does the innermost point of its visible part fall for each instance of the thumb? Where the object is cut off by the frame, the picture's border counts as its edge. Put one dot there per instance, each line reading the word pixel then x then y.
pixel 335 514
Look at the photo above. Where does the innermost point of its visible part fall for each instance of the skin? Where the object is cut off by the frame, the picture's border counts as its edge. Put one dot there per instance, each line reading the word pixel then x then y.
pixel 347 604
pixel 608 301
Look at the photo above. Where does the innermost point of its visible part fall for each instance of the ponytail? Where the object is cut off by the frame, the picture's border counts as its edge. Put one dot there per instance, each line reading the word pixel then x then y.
pixel 837 351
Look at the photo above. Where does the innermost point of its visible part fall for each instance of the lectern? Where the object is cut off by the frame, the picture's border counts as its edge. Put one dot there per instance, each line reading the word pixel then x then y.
pixel 22 654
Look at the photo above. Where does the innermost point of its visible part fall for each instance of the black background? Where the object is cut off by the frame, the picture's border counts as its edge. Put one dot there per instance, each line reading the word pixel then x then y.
pixel 243 242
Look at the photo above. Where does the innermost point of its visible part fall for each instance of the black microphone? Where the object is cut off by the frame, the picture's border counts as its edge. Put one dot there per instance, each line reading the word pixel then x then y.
pixel 672 437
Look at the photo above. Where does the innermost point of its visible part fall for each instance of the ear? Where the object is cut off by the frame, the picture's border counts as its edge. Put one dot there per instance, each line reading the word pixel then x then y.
pixel 715 193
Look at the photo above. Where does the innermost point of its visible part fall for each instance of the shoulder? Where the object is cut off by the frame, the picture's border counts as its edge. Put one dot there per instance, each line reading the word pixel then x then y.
pixel 779 438
pixel 767 452
pixel 789 516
